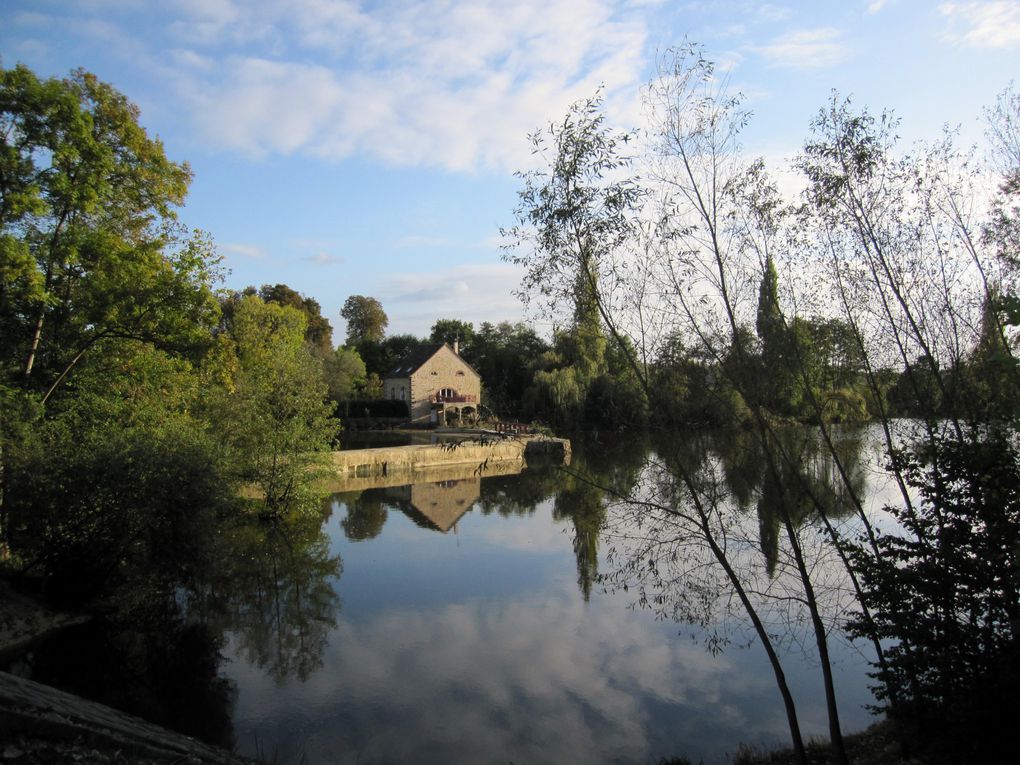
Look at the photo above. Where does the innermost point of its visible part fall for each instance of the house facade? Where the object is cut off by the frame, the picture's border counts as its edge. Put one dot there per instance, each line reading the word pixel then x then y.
pixel 435 382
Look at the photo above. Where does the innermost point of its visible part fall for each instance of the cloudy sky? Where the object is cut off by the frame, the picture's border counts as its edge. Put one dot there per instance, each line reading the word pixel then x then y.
pixel 350 147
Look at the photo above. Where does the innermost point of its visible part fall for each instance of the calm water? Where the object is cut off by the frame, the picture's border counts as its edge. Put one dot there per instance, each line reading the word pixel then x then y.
pixel 468 620
pixel 468 625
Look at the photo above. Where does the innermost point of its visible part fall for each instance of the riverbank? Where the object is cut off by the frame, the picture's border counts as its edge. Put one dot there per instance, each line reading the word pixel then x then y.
pixel 40 724
pixel 876 745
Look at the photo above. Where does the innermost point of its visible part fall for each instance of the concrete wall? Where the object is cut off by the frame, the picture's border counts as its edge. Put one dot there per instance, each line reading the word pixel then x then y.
pixel 408 460
pixel 396 476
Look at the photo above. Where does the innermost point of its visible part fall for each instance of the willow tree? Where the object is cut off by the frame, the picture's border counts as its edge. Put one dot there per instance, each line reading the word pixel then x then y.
pixel 574 219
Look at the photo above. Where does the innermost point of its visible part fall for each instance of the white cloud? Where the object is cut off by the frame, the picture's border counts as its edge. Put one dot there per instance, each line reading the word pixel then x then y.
pixel 456 85
pixel 474 292
pixel 771 12
pixel 876 5
pixel 244 250
pixel 325 259
pixel 563 682
pixel 805 49
pixel 984 24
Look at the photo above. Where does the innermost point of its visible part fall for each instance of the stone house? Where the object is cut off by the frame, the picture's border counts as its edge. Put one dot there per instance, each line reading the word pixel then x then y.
pixel 435 382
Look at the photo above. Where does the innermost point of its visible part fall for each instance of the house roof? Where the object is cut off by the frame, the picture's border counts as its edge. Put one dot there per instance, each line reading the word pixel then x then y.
pixel 413 361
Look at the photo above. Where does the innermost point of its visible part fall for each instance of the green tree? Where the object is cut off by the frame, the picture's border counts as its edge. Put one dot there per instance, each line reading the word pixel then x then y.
pixel 504 355
pixel 345 374
pixel 271 411
pixel 318 331
pixel 89 245
pixel 366 320
pixel 574 220
pixel 945 593
pixel 453 330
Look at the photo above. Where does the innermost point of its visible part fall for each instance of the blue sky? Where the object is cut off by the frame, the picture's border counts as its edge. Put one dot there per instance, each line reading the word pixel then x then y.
pixel 347 147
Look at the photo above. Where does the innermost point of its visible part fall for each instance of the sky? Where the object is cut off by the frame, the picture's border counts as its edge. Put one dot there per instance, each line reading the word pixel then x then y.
pixel 345 147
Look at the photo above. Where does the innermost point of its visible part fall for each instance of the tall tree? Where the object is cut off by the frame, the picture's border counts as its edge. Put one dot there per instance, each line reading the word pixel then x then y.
pixel 89 245
pixel 575 220
pixel 366 320
pixel 318 331
pixel 271 412
pixel 453 330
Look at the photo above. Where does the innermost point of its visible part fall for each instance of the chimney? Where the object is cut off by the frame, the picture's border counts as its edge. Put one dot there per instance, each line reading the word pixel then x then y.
pixel 456 346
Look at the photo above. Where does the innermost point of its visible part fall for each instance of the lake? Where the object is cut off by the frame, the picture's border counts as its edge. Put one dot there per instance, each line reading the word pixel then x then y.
pixel 469 619
pixel 469 625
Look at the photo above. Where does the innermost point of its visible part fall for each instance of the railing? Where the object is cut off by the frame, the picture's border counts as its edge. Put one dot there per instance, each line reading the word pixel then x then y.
pixel 513 428
pixel 459 398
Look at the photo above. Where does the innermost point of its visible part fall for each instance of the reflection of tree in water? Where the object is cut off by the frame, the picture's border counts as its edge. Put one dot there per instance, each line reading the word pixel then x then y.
pixel 366 515
pixel 805 483
pixel 662 541
pixel 150 662
pixel 584 505
pixel 596 468
pixel 281 603
pixel 154 544
pixel 798 475
pixel 520 494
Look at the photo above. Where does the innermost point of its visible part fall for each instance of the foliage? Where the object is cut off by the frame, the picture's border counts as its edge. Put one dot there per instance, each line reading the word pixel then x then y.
pixel 318 331
pixel 504 355
pixel 271 414
pixel 89 247
pixel 454 330
pixel 366 319
pixel 573 221
pixel 945 591
pixel 381 356
pixel 345 373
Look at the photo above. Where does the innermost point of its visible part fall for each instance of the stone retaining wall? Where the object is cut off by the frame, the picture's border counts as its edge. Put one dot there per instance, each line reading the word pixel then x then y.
pixel 408 460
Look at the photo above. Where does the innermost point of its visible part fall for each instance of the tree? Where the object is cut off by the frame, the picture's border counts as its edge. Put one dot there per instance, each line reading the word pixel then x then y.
pixel 345 374
pixel 271 413
pixel 89 245
pixel 504 355
pixel 366 320
pixel 318 332
pixel 945 594
pixel 451 331
pixel 777 378
pixel 692 281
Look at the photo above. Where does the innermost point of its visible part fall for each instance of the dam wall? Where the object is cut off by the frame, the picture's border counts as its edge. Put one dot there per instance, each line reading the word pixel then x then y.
pixel 477 456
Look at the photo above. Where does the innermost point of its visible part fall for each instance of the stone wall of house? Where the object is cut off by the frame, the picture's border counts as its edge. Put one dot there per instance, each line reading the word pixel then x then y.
pixel 444 370
pixel 397 388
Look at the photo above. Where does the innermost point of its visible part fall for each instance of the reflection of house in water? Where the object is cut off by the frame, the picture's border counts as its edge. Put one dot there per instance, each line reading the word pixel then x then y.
pixel 437 505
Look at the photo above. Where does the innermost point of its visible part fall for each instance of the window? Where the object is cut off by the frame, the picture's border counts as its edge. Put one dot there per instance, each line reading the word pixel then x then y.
pixel 402 393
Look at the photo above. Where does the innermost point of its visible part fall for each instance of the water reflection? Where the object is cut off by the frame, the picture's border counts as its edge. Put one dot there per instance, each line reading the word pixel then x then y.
pixel 366 514
pixel 475 623
pixel 149 661
pixel 199 580
pixel 498 643
pixel 275 593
